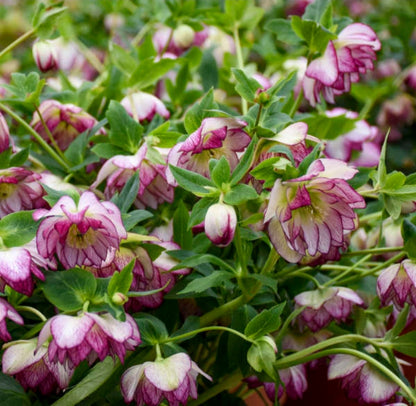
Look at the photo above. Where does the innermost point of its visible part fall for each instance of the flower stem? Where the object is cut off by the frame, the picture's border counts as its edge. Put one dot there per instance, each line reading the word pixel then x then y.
pixel 190 334
pixel 228 382
pixel 296 103
pixel 17 42
pixel 270 262
pixel 240 63
pixel 31 310
pixel 373 251
pixel 38 138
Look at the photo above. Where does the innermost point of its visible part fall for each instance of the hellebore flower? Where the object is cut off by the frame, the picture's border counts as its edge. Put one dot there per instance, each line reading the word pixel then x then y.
pixel 325 305
pixel 64 121
pixel 153 187
pixel 87 233
pixel 362 138
pixel 32 368
pixel 19 190
pixel 216 137
pixel 88 336
pixel 4 134
pixel 220 223
pixel 309 215
pixel 7 310
pixel 397 284
pixel 143 106
pixel 361 380
pixel 45 54
pixel 344 59
pixel 16 269
pixel 172 378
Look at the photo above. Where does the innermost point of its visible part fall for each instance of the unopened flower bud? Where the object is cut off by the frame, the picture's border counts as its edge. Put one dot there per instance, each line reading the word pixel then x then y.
pixel 183 36
pixel 261 97
pixel 119 298
pixel 45 55
pixel 220 223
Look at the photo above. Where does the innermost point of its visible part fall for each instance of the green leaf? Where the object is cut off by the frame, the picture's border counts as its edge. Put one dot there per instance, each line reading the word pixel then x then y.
pixel 400 324
pixel 198 285
pixel 128 195
pixel 246 87
pixel 409 237
pixel 208 71
pixel 152 330
pixel 121 281
pixel 265 322
pixel 26 88
pixel 125 131
pixel 199 111
pixel 136 216
pixel 122 58
pixel 191 181
pixel 406 344
pixel 11 393
pixel 17 229
pixel 149 72
pixel 313 156
pixel 199 210
pixel 314 34
pixel 53 195
pixel 107 150
pixel 283 29
pixel 221 173
pixel 319 11
pixel 245 162
pixel 329 128
pixel 98 375
pixel 19 158
pixel 261 357
pixel 182 235
pixel 382 171
pixel 240 194
pixel 69 290
pixel 194 261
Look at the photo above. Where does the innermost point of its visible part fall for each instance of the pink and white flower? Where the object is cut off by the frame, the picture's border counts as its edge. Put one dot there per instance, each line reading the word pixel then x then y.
pixel 4 134
pixel 143 106
pixel 397 284
pixel 220 223
pixel 326 305
pixel 45 53
pixel 216 137
pixel 32 368
pixel 89 336
pixel 352 53
pixel 7 310
pixel 64 121
pixel 153 187
pixel 19 190
pixel 17 268
pixel 172 378
pixel 363 139
pixel 84 233
pixel 310 215
pixel 361 380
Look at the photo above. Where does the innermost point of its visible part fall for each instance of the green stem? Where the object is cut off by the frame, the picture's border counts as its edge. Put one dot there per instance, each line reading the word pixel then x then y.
pixel 17 42
pixel 258 116
pixel 228 382
pixel 296 103
pixel 301 356
pixel 240 63
pixel 140 35
pixel 270 262
pixel 347 271
pixel 204 329
pixel 241 253
pixel 31 310
pixel 90 57
pixel 38 138
pixel 226 308
pixel 373 251
pixel 372 216
pixel 309 277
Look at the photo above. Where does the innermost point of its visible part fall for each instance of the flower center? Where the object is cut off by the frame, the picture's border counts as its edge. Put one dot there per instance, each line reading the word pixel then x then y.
pixel 79 240
pixel 6 189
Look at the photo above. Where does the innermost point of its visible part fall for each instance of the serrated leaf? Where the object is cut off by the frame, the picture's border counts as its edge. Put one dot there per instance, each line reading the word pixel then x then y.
pixel 399 325
pixel 121 58
pixel 283 29
pixel 246 87
pixel 11 393
pixel 265 322
pixel 152 330
pixel 148 72
pixel 198 285
pixel 239 194
pixel 191 181
pixel 199 210
pixel 318 11
pixel 133 217
pixel 121 281
pixel 406 344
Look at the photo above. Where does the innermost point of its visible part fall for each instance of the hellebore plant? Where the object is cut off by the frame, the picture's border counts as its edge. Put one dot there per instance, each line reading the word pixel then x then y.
pixel 183 220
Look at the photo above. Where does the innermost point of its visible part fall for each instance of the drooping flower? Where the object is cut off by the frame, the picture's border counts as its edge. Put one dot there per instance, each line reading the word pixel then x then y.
pixel 7 310
pixel 89 336
pixel 19 190
pixel 363 139
pixel 32 368
pixel 153 186
pixel 352 53
pixel 87 233
pixel 397 284
pixel 4 134
pixel 220 223
pixel 216 137
pixel 64 121
pixel 143 106
pixel 17 269
pixel 309 216
pixel 360 379
pixel 325 305
pixel 45 53
pixel 172 378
